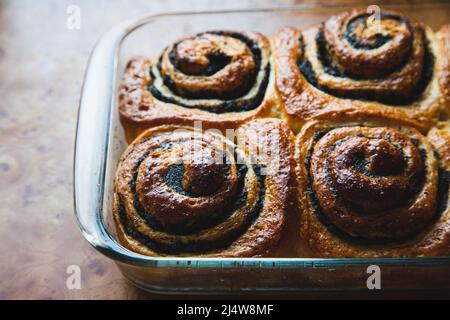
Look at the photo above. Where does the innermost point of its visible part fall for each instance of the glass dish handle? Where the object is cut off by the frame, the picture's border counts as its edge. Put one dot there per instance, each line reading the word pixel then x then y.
pixel 91 144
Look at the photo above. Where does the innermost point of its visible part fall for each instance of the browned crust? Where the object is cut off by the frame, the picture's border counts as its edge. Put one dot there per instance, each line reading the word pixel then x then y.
pixel 301 101
pixel 262 237
pixel 443 37
pixel 139 110
pixel 439 137
pixel 434 241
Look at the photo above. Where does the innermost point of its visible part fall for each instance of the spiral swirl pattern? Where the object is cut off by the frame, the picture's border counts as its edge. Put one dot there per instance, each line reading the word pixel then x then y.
pixel 182 191
pixel 351 58
pixel 370 185
pixel 394 67
pixel 219 77
pixel 216 71
pixel 363 177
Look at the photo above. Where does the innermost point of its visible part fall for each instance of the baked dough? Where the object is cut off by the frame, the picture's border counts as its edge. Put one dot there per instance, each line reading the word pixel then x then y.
pixel 396 69
pixel 370 176
pixel 221 78
pixel 372 189
pixel 188 193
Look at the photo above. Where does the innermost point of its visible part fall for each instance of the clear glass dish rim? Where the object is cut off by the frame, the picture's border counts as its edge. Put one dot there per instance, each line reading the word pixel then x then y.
pixel 114 250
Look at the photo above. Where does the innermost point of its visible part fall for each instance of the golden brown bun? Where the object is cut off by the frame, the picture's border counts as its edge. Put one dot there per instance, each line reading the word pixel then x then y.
pixel 372 159
pixel 222 78
pixel 443 37
pixel 396 69
pixel 184 193
pixel 372 189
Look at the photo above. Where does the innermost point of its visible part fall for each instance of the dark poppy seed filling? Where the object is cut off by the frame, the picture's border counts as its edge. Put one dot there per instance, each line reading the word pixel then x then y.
pixel 238 99
pixel 189 192
pixel 173 179
pixel 369 44
pixel 360 165
pixel 328 56
pixel 305 66
pixel 199 246
pixel 217 60
pixel 330 69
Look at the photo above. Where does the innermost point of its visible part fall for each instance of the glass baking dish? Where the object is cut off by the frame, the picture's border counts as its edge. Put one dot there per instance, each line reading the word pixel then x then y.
pixel 100 142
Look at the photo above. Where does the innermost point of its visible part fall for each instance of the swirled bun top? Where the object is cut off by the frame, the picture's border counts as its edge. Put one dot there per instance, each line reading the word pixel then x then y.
pixel 388 61
pixel 181 191
pixel 221 78
pixel 363 94
pixel 373 189
pixel 392 67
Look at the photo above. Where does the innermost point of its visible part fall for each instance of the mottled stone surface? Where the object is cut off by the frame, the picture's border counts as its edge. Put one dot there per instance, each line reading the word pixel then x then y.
pixel 41 70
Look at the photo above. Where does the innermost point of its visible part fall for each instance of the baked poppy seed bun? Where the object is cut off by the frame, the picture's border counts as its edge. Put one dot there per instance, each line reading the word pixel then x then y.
pixel 181 192
pixel 443 37
pixel 222 78
pixel 371 189
pixel 396 68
